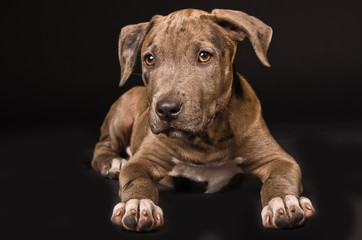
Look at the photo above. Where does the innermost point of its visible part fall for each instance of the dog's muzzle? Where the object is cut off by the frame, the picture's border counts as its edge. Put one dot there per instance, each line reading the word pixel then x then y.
pixel 168 111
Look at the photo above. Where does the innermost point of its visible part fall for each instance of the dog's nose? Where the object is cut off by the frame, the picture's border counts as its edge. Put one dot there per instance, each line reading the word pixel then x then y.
pixel 168 110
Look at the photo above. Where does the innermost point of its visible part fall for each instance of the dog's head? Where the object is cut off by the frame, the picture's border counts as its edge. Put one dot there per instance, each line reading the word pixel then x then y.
pixel 187 65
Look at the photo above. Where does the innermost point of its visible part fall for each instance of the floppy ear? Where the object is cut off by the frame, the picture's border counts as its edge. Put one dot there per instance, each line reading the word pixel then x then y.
pixel 129 43
pixel 240 25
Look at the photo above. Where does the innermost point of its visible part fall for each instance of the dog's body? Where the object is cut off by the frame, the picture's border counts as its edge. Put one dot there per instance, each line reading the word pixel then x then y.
pixel 196 118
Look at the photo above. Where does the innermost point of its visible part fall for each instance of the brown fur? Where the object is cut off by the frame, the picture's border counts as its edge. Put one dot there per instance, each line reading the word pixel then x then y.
pixel 221 117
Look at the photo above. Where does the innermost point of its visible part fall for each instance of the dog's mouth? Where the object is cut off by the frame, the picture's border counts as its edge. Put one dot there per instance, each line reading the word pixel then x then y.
pixel 171 129
pixel 176 133
pixel 179 129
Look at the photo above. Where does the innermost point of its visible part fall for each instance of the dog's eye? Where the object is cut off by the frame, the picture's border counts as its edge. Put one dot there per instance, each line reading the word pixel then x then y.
pixel 149 59
pixel 204 57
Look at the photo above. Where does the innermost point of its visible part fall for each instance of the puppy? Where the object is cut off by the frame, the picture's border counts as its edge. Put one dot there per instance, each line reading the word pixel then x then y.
pixel 195 118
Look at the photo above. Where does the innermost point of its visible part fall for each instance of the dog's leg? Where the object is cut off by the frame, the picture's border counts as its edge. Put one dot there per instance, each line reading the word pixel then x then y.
pixel 116 133
pixel 280 195
pixel 106 159
pixel 114 138
pixel 138 210
pixel 283 207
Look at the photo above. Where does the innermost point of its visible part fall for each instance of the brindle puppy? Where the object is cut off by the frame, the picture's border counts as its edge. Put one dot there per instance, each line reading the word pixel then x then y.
pixel 195 118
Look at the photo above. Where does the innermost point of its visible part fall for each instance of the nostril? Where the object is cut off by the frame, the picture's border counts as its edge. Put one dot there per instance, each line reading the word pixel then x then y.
pixel 160 111
pixel 174 110
pixel 168 109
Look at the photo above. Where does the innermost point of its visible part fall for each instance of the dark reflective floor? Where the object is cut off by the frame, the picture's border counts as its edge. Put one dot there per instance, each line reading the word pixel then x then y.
pixel 47 188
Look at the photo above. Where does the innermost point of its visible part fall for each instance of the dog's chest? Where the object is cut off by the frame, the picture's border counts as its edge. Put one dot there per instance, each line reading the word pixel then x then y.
pixel 213 176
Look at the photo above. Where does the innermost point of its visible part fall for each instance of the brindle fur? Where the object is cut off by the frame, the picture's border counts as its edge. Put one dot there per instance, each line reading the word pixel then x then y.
pixel 221 116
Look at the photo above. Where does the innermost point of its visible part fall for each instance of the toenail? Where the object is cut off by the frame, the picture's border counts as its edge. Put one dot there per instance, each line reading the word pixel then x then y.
pixel 281 211
pixel 292 209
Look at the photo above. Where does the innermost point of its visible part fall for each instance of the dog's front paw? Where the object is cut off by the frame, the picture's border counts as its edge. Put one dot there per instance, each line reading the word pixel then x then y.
pixel 138 215
pixel 287 213
pixel 113 168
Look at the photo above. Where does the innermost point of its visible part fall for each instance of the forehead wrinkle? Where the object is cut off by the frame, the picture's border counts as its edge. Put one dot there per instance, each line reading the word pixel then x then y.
pixel 183 23
pixel 167 38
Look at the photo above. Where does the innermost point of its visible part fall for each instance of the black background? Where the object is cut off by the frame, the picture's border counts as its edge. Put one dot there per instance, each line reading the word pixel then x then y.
pixel 60 74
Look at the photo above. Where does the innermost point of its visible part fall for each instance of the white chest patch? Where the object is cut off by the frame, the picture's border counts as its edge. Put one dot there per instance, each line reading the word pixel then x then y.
pixel 217 175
